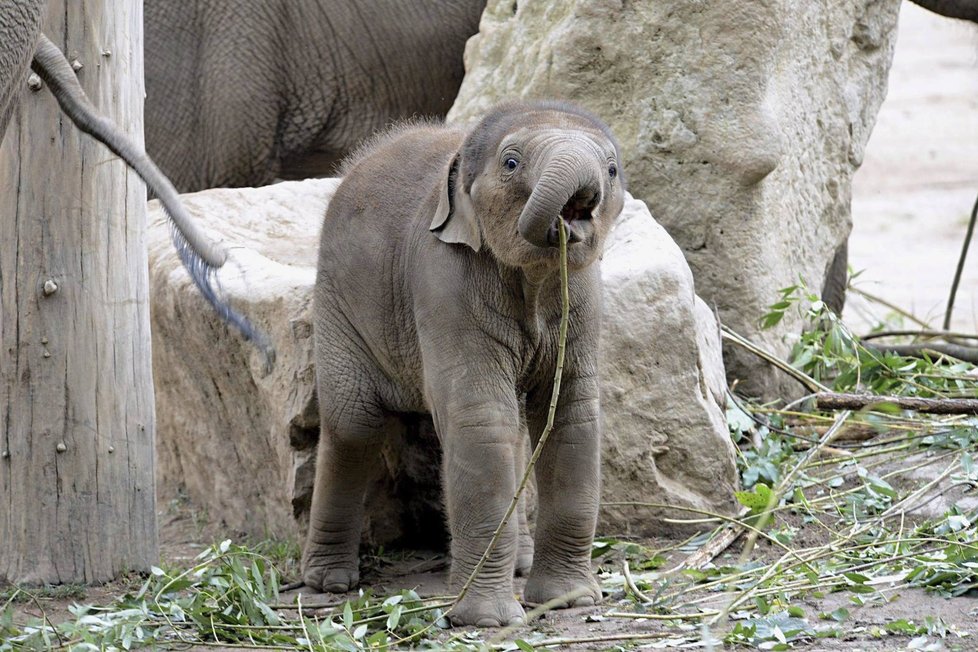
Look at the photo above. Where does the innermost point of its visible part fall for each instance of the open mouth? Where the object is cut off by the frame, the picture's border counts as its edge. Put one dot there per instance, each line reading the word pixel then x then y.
pixel 578 217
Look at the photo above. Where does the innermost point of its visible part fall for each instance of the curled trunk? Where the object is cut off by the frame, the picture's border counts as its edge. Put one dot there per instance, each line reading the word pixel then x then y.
pixel 561 179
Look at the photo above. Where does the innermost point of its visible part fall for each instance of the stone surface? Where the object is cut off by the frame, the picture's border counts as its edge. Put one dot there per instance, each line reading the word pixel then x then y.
pixel 741 123
pixel 240 440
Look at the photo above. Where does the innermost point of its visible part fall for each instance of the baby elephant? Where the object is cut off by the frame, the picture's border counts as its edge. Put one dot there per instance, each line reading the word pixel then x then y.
pixel 439 291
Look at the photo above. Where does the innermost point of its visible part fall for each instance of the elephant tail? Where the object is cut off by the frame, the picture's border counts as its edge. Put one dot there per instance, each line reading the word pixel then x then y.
pixel 199 255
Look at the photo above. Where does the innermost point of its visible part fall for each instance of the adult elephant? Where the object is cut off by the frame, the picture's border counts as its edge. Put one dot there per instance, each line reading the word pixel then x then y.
pixel 23 44
pixel 243 93
pixel 20 25
pixel 963 9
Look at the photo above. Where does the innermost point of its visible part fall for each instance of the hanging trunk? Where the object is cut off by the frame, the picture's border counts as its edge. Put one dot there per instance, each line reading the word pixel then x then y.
pixel 77 421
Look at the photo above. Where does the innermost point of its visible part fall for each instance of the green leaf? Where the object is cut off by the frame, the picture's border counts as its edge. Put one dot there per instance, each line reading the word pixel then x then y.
pixel 347 615
pixel 523 645
pixel 394 618
pixel 378 640
pixel 393 600
pixel 762 605
pixel 903 626
pixel 838 615
pixel 757 500
pixel 771 319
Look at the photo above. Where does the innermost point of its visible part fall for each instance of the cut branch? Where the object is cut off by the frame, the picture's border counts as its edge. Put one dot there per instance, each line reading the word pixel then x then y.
pixel 837 401
pixel 933 349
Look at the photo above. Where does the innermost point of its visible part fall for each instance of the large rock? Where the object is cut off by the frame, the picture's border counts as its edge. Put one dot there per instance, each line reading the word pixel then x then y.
pixel 240 439
pixel 741 121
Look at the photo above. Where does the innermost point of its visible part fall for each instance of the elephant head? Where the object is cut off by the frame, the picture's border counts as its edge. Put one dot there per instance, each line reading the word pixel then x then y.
pixel 520 170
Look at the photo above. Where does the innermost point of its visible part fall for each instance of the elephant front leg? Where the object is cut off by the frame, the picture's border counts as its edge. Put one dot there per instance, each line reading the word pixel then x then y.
pixel 568 486
pixel 345 462
pixel 524 551
pixel 479 467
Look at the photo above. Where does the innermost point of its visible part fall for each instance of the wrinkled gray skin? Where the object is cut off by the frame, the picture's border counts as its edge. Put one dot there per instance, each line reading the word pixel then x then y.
pixel 20 25
pixel 240 93
pixel 438 291
pixel 962 9
pixel 21 42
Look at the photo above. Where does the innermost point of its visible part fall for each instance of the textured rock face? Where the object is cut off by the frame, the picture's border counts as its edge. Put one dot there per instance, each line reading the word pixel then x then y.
pixel 741 124
pixel 662 386
pixel 241 440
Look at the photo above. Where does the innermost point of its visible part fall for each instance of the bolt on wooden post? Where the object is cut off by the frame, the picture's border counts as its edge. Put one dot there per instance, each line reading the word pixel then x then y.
pixel 77 421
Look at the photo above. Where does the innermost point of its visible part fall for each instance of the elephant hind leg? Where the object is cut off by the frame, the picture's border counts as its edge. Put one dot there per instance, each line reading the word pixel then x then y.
pixel 346 461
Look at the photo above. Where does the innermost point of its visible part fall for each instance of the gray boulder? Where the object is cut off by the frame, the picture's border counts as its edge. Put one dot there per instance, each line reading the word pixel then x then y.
pixel 742 123
pixel 239 439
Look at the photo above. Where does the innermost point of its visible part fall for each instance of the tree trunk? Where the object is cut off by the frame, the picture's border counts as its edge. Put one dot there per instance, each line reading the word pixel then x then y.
pixel 77 421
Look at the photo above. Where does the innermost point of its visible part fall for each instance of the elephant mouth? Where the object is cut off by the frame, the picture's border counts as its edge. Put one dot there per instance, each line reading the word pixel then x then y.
pixel 578 217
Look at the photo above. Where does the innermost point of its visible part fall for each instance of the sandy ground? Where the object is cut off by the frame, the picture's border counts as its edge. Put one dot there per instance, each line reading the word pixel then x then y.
pixel 914 193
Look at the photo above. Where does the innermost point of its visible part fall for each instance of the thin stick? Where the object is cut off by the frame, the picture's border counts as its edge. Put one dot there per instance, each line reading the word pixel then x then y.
pixel 886 304
pixel 930 349
pixel 551 642
pixel 694 510
pixel 706 613
pixel 630 583
pixel 810 383
pixel 715 546
pixel 539 610
pixel 786 482
pixel 948 335
pixel 558 374
pixel 960 268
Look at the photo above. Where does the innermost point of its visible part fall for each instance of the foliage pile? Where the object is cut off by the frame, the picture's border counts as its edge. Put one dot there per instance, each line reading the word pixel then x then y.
pixel 838 501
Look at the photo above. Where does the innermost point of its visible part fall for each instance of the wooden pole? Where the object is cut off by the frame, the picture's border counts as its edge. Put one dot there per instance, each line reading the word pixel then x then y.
pixel 77 421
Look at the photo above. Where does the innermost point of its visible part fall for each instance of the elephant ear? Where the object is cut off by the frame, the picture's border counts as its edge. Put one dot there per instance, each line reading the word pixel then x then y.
pixel 455 220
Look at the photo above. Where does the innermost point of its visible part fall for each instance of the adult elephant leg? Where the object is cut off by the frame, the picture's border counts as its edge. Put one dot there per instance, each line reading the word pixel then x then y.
pixel 568 484
pixel 478 427
pixel 350 438
pixel 836 279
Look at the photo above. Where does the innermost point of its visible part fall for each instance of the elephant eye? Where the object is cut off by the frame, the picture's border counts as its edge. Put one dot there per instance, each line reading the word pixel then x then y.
pixel 512 164
pixel 612 170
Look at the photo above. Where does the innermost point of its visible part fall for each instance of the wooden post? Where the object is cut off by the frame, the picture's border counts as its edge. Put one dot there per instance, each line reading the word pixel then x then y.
pixel 77 421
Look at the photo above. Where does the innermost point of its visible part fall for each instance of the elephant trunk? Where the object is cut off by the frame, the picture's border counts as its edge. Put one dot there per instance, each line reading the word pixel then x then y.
pixel 569 189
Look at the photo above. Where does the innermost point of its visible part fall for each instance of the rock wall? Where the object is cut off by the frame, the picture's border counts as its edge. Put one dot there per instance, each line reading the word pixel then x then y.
pixel 240 439
pixel 741 121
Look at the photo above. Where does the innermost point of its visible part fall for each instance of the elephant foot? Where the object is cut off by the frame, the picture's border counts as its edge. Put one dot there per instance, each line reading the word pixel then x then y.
pixel 569 590
pixel 487 610
pixel 524 556
pixel 329 575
